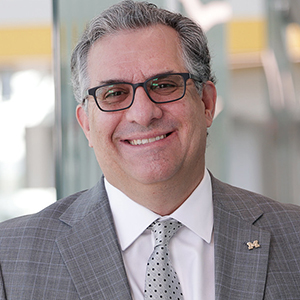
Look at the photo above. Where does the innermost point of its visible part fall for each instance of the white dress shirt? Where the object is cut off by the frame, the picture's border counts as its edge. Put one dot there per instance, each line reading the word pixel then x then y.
pixel 191 249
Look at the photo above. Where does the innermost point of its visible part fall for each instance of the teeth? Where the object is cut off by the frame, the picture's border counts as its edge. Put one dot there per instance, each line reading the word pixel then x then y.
pixel 146 141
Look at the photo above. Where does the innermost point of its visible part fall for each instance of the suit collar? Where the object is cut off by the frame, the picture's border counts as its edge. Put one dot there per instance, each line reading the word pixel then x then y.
pixel 238 270
pixel 86 203
pixel 236 201
pixel 91 250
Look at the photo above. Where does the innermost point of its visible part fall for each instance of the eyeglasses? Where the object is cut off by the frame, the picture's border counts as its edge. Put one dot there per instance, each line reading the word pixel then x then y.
pixel 160 89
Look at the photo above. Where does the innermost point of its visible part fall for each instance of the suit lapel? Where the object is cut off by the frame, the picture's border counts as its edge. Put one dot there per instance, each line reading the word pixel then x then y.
pixel 90 249
pixel 240 273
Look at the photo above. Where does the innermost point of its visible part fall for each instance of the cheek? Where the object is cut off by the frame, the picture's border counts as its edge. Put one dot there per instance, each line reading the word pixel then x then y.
pixel 191 116
pixel 195 112
pixel 101 144
pixel 196 122
pixel 99 136
pixel 102 128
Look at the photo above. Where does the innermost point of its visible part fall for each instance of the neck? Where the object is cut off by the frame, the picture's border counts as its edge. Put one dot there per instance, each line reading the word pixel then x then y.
pixel 162 198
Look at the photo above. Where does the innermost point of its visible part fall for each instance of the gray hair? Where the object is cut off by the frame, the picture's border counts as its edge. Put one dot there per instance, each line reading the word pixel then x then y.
pixel 130 15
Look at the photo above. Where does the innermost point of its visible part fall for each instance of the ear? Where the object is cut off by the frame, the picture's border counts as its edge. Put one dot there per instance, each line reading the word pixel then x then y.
pixel 209 97
pixel 83 121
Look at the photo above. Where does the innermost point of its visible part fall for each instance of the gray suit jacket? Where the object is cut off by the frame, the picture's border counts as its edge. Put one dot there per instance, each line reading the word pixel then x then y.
pixel 70 250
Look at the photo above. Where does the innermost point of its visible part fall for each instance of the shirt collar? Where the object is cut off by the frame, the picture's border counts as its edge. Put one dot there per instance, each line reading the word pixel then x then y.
pixel 200 201
pixel 132 219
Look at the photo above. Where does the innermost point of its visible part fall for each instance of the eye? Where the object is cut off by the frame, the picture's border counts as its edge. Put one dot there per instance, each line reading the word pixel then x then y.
pixel 163 86
pixel 113 93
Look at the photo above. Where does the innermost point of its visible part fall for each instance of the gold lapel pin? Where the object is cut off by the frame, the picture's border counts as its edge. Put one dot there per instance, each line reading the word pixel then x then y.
pixel 253 245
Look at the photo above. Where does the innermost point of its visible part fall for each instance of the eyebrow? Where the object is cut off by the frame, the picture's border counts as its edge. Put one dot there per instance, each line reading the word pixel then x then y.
pixel 112 81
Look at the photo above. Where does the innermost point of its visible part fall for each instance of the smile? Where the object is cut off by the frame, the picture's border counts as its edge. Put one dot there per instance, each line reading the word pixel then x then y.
pixel 147 141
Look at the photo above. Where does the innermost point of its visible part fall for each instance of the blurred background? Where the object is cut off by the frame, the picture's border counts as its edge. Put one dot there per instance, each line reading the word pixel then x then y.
pixel 255 139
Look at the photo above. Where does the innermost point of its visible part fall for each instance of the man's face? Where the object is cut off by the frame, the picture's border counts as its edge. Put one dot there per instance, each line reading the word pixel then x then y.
pixel 173 134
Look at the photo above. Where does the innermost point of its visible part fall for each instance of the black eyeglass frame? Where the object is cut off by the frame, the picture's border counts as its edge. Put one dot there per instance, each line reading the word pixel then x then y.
pixel 185 76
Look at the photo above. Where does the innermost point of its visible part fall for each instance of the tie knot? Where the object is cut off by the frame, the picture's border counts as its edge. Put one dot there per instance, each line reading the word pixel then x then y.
pixel 164 230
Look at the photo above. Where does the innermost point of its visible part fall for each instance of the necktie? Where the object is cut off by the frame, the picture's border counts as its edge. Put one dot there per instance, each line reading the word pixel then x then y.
pixel 161 279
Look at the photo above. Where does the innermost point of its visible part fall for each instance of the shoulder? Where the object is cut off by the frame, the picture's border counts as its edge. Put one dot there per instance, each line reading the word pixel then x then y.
pixel 281 220
pixel 46 218
pixel 59 217
pixel 229 194
pixel 23 237
pixel 268 212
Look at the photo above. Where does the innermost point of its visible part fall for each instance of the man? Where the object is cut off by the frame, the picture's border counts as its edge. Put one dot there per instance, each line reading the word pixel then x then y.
pixel 146 97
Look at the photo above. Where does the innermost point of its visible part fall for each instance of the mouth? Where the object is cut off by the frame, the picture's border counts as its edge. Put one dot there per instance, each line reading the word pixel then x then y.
pixel 147 141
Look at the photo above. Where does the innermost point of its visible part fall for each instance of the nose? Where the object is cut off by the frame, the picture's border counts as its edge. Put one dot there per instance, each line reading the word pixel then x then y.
pixel 143 111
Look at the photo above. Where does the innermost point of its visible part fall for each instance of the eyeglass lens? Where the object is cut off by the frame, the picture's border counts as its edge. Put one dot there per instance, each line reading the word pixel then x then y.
pixel 161 89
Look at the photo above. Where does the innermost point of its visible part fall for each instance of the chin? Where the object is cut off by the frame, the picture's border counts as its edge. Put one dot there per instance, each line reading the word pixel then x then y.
pixel 154 177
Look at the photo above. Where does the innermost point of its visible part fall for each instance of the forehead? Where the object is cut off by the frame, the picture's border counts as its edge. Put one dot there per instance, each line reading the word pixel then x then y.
pixel 136 53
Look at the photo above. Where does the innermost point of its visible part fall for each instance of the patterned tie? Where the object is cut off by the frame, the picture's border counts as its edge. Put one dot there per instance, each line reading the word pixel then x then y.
pixel 161 279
